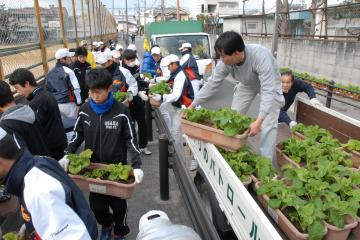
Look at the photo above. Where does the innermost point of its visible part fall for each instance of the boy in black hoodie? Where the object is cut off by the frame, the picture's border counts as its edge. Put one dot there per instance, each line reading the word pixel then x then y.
pixel 104 124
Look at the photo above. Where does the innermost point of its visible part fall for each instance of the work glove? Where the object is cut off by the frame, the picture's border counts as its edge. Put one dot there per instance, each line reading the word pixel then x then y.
pixel 146 79
pixel 64 163
pixel 292 124
pixel 138 174
pixel 152 81
pixel 315 102
pixel 129 96
pixel 143 96
pixel 161 79
pixel 156 97
pixel 21 233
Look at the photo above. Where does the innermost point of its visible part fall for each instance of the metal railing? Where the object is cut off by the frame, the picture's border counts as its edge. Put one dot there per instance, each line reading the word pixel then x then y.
pixel 197 212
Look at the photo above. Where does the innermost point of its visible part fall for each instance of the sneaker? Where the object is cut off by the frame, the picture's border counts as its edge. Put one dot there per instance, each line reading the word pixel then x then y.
pixel 145 151
pixel 105 233
pixel 194 165
pixel 119 237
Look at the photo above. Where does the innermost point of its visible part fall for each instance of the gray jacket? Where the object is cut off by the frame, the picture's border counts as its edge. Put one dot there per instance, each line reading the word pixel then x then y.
pixel 259 73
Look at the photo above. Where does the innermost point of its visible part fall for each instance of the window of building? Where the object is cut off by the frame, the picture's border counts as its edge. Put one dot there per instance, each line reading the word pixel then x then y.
pixel 252 25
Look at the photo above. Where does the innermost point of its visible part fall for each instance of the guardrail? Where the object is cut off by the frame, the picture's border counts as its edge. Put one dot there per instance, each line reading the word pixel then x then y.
pixel 203 225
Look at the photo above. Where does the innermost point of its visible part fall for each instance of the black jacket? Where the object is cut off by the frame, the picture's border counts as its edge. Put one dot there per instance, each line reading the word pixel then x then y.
pixel 298 86
pixel 48 115
pixel 19 121
pixel 80 70
pixel 107 135
pixel 47 193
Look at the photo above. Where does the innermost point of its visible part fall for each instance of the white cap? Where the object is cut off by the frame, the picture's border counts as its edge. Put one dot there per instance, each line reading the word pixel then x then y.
pixel 170 59
pixel 94 44
pixel 155 50
pixel 100 43
pixel 116 54
pixel 83 42
pixel 118 47
pixel 71 54
pixel 185 45
pixel 103 58
pixel 150 215
pixel 61 53
pixel 2 133
pixel 132 47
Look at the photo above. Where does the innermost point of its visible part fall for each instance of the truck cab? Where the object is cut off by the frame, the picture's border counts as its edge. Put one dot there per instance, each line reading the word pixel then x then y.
pixel 171 35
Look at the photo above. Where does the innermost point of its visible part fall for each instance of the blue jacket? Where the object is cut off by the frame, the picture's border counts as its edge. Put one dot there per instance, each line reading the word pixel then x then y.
pixel 149 64
pixel 62 82
pixel 298 86
pixel 51 203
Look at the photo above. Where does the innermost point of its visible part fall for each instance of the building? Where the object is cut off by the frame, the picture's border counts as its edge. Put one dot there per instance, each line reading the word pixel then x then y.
pixel 251 24
pixel 216 7
pixel 170 14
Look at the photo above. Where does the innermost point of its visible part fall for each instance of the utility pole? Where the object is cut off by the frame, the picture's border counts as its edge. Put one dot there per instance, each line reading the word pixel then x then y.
pixel 244 17
pixel 144 16
pixel 127 24
pixel 112 7
pixel 178 10
pixel 139 21
pixel 162 11
pixel 263 25
pixel 275 37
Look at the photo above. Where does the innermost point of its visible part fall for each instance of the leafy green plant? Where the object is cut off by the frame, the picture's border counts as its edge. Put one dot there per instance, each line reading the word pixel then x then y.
pixel 120 96
pixel 353 145
pixel 197 115
pixel 118 172
pixel 230 121
pixel 147 75
pixel 11 236
pixel 79 162
pixel 160 88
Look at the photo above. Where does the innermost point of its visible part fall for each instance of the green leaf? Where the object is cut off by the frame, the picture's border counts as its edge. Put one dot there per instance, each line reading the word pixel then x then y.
pixel 316 231
pixel 274 203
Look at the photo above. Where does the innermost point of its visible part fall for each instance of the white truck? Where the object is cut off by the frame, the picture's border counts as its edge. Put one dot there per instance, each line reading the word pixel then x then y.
pixel 228 203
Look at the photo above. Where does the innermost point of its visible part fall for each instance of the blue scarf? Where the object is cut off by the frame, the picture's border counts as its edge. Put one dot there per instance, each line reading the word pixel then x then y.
pixel 102 107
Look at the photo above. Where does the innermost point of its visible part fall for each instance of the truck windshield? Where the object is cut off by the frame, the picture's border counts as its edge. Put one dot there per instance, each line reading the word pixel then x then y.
pixel 171 44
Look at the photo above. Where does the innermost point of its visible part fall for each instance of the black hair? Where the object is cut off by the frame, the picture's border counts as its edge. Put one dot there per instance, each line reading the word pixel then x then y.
pixel 98 78
pixel 6 95
pixel 72 50
pixel 81 51
pixel 229 42
pixel 21 76
pixel 8 148
pixel 288 73
pixel 128 54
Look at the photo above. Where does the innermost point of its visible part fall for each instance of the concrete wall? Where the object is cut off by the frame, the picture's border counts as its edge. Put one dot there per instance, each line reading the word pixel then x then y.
pixel 335 60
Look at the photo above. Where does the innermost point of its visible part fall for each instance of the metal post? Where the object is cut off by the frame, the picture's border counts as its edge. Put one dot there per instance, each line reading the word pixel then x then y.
pixel 127 25
pixel 148 118
pixel 93 7
pixel 83 19
pixel 62 24
pixel 330 90
pixel 244 17
pixel 178 10
pixel 164 167
pixel 2 70
pixel 91 36
pixel 162 11
pixel 275 37
pixel 41 38
pixel 75 24
pixel 144 16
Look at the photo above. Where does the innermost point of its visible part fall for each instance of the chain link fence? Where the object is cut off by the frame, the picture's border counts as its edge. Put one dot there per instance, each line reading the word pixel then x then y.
pixel 21 44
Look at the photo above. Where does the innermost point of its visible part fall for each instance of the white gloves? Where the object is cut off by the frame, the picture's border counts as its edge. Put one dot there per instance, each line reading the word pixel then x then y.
pixel 315 102
pixel 64 163
pixel 153 81
pixel 21 233
pixel 161 79
pixel 146 79
pixel 129 96
pixel 143 96
pixel 156 97
pixel 138 174
pixel 292 124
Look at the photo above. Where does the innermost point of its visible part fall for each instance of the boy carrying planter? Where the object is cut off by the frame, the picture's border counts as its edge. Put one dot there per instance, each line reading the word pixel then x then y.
pixel 105 126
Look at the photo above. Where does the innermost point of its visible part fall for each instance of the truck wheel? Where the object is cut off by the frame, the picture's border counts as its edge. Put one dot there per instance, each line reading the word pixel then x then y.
pixel 211 204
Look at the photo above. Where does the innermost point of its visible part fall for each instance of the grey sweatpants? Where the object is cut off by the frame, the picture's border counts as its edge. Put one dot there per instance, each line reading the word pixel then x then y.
pixel 242 100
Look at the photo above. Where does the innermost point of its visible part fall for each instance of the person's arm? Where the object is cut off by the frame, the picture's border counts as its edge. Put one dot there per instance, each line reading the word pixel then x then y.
pixel 177 89
pixel 131 81
pixel 52 218
pixel 305 87
pixel 207 91
pixel 284 117
pixel 129 135
pixel 78 136
pixel 146 67
pixel 75 84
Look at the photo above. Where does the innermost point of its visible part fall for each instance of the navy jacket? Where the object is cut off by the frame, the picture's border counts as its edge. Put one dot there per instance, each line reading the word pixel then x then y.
pixel 298 86
pixel 188 61
pixel 52 205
